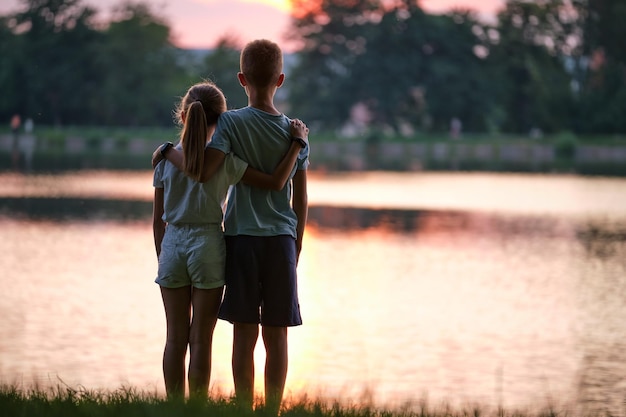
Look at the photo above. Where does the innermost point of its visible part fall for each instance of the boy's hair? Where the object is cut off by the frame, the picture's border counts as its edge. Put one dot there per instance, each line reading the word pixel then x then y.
pixel 261 61
pixel 202 105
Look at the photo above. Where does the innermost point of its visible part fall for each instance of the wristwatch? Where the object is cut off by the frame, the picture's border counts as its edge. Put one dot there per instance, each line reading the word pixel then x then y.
pixel 165 147
pixel 300 141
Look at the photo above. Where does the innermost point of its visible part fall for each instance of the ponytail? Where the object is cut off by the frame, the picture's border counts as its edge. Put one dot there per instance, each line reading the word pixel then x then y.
pixel 194 139
pixel 197 112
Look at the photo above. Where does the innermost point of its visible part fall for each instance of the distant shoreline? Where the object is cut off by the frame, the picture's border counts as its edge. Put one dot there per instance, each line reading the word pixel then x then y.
pixel 73 152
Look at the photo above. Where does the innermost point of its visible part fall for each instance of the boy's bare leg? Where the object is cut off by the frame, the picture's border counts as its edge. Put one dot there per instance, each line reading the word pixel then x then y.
pixel 177 303
pixel 205 306
pixel 245 336
pixel 276 362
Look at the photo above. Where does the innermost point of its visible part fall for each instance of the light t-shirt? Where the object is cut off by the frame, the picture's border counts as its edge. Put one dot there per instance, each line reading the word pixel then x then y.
pixel 186 201
pixel 262 140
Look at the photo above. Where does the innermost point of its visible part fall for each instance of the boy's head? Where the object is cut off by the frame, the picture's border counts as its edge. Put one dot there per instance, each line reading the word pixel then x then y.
pixel 261 62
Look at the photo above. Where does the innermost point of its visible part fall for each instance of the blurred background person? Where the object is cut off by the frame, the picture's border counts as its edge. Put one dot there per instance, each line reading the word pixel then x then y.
pixel 16 122
pixel 27 144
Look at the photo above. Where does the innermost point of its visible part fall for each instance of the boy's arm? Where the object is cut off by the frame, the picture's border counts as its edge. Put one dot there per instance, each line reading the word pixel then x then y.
pixel 158 225
pixel 300 206
pixel 213 159
pixel 277 180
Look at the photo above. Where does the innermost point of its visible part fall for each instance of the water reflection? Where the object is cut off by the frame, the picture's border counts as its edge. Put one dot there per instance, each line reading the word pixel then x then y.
pixel 68 209
pixel 439 221
pixel 600 238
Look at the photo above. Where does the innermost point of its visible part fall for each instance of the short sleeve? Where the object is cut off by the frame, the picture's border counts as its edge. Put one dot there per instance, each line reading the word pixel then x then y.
pixel 157 179
pixel 303 158
pixel 235 167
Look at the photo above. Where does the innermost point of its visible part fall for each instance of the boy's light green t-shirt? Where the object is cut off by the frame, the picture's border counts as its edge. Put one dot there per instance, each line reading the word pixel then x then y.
pixel 262 140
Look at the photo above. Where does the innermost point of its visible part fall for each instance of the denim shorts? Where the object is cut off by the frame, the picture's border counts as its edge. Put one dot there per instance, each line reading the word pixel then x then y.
pixel 261 281
pixel 192 255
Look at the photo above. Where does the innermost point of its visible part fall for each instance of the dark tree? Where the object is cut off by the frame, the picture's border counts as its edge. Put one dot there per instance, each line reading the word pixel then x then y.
pixel 221 66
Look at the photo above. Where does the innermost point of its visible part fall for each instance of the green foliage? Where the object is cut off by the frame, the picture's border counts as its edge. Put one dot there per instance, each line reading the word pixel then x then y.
pixel 60 67
pixel 52 141
pixel 412 68
pixel 552 65
pixel 528 71
pixel 137 39
pixel 602 101
pixel 565 146
pixel 536 89
pixel 222 66
pixel 46 36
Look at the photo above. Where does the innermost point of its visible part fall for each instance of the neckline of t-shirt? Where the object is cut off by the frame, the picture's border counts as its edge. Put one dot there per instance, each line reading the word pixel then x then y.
pixel 257 110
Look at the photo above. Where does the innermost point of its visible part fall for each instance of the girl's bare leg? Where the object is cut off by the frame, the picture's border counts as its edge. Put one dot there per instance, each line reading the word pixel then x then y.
pixel 206 304
pixel 177 303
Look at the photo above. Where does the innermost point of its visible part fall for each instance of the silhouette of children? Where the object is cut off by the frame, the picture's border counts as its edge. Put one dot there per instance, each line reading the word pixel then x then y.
pixel 264 229
pixel 188 236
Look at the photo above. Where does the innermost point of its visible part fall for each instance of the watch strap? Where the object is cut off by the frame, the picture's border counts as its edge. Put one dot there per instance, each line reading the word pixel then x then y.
pixel 300 141
pixel 165 147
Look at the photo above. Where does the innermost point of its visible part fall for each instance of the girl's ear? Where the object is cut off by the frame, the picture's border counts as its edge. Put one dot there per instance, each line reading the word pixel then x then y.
pixel 183 116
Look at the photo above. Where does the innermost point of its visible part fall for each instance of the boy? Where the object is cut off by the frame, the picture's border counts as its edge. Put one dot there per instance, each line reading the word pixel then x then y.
pixel 263 229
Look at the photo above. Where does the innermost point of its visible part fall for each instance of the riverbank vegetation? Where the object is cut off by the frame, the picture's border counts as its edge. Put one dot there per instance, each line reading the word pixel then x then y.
pixel 56 136
pixel 74 148
pixel 64 401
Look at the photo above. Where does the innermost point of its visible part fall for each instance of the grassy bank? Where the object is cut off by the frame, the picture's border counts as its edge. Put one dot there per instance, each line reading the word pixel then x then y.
pixel 69 402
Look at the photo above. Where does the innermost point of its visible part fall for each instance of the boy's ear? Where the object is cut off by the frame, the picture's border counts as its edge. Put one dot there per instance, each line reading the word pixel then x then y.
pixel 242 79
pixel 244 82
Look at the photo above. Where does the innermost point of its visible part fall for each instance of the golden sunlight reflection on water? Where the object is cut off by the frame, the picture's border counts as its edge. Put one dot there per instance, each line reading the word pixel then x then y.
pixel 464 308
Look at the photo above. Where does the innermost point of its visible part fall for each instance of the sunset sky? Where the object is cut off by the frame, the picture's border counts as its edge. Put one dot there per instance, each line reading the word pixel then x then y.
pixel 199 23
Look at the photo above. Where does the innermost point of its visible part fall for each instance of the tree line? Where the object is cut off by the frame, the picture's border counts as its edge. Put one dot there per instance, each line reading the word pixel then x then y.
pixel 550 65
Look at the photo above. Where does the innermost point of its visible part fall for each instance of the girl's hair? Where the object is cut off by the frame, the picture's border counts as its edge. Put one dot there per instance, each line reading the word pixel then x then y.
pixel 201 106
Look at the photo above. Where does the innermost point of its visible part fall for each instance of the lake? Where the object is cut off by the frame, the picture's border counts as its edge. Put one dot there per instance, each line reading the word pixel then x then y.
pixel 438 288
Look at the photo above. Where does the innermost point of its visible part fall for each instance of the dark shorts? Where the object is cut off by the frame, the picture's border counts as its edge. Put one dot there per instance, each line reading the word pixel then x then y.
pixel 261 281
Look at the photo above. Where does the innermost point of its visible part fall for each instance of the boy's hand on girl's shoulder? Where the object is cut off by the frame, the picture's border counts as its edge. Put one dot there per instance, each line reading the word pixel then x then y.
pixel 157 157
pixel 299 130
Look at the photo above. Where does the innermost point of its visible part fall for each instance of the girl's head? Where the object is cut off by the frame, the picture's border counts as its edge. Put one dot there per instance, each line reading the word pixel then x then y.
pixel 198 112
